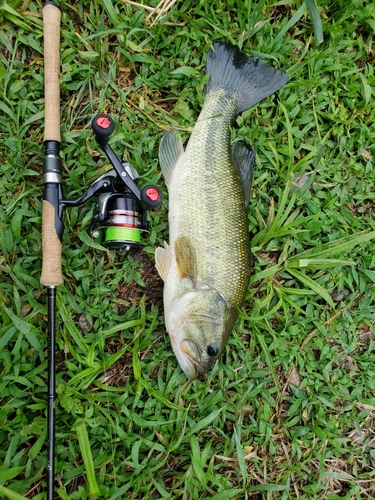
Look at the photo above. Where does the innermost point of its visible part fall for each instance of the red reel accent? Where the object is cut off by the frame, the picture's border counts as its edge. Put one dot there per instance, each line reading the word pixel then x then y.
pixel 152 194
pixel 103 122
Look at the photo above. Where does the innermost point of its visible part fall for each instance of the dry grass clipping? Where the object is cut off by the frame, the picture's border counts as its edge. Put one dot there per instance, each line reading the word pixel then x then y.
pixel 159 11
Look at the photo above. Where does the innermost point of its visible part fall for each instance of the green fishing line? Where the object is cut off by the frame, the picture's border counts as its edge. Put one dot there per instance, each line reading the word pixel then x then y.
pixel 123 234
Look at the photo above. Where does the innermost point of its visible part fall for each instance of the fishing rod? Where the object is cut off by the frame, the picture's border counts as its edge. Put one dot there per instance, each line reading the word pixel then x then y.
pixel 52 226
pixel 121 211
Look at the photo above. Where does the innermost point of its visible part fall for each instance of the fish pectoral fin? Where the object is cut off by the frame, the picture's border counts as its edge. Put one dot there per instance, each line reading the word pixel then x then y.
pixel 243 157
pixel 171 148
pixel 186 258
pixel 163 261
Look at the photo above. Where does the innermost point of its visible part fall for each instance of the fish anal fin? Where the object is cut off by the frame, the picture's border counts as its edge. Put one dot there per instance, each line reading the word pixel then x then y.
pixel 163 261
pixel 170 150
pixel 185 258
pixel 243 157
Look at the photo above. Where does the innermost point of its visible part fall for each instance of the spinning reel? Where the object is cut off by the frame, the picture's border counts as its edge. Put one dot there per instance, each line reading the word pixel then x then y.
pixel 122 207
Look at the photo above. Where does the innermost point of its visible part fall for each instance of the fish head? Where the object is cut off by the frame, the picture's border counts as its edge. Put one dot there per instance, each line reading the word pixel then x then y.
pixel 199 324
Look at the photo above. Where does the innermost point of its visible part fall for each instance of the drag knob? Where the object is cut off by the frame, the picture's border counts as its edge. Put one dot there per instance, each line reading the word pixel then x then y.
pixel 151 196
pixel 103 126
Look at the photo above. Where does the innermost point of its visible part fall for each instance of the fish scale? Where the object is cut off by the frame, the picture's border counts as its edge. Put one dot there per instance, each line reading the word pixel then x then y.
pixel 206 265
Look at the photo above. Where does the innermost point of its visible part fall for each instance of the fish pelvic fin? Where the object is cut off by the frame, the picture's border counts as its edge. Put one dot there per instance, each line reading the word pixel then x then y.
pixel 243 157
pixel 248 78
pixel 163 261
pixel 170 150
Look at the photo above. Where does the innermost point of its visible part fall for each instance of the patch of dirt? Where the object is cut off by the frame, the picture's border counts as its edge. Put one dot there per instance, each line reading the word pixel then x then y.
pixel 133 292
pixel 120 372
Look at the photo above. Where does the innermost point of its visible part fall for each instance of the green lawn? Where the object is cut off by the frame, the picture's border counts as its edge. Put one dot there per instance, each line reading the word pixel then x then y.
pixel 289 412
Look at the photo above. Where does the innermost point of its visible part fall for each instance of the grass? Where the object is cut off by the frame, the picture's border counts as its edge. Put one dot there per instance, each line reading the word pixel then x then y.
pixel 290 410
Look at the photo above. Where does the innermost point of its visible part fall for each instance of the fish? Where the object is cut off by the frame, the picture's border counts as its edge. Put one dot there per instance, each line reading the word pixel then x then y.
pixel 206 265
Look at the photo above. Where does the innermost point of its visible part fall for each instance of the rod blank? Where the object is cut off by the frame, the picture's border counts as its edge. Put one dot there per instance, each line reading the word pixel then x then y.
pixel 51 292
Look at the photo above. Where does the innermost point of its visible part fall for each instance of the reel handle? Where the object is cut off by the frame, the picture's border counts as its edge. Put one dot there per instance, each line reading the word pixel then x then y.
pixel 151 196
pixel 103 127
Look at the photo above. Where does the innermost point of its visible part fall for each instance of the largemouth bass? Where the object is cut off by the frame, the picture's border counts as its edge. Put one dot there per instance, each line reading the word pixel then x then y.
pixel 206 265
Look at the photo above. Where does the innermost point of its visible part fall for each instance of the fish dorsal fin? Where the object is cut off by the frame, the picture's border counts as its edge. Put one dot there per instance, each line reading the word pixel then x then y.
pixel 163 261
pixel 171 148
pixel 185 258
pixel 243 157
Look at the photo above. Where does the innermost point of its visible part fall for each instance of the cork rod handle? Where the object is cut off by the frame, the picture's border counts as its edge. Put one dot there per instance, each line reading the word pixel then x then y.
pixel 51 28
pixel 51 247
pixel 52 227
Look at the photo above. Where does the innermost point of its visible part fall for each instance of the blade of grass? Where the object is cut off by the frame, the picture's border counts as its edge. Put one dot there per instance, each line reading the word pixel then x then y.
pixel 196 460
pixel 11 494
pixel 123 326
pixel 310 283
pixel 6 475
pixel 205 422
pixel 261 275
pixel 332 318
pixel 240 456
pixel 292 21
pixel 367 88
pixel 63 495
pixel 319 263
pixel 268 357
pixel 230 493
pixel 317 23
pixel 85 447
pixel 12 15
pixel 29 331
pixel 336 247
pixel 152 392
pixel 69 325
pixel 112 14
pixel 289 130
pixel 85 377
pixel 268 487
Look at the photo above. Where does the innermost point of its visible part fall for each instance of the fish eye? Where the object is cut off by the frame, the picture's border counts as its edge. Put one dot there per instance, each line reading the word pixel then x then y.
pixel 213 350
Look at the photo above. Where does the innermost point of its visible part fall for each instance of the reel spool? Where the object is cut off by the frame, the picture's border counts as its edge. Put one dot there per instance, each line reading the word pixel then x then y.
pixel 123 225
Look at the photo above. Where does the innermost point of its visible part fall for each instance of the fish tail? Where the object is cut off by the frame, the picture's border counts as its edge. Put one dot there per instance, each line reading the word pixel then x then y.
pixel 249 79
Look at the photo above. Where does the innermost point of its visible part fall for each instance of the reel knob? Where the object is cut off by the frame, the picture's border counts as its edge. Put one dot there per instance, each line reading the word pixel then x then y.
pixel 103 127
pixel 151 196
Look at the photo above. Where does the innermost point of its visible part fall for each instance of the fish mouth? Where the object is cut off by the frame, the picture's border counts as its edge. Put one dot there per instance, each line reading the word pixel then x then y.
pixel 193 359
